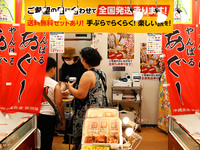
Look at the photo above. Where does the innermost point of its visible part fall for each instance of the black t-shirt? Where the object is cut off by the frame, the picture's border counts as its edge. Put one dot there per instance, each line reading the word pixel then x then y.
pixel 75 70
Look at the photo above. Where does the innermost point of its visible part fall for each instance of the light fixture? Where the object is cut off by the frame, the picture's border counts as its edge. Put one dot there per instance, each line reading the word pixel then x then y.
pixel 126 120
pixel 130 133
pixel 161 17
pixel 137 14
pixel 69 14
pixel 183 16
pixel 38 15
pixel 55 14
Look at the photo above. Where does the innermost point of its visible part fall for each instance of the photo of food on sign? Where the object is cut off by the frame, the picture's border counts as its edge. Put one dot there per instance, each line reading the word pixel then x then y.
pixel 120 46
pixel 150 63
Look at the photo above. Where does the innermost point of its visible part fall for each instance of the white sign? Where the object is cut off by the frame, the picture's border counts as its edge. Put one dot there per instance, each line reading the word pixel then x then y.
pixel 56 43
pixel 154 43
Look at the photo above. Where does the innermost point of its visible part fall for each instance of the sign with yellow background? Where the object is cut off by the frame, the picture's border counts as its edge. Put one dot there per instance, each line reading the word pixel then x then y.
pixel 100 16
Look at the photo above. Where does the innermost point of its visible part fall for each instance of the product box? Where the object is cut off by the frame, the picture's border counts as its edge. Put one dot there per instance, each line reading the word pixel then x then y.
pixel 101 112
pixel 122 84
pixel 117 95
pixel 101 131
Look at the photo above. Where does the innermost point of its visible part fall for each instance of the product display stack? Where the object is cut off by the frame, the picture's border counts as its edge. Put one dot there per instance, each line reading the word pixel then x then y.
pixel 102 129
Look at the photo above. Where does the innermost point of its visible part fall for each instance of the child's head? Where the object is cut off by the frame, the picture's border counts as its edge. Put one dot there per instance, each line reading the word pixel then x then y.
pixel 51 63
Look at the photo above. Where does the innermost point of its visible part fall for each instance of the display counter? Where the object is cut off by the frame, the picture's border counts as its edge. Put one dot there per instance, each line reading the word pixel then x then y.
pixel 17 131
pixel 184 132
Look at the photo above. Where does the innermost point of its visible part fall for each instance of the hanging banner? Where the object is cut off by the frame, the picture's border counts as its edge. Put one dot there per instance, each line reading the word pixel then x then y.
pixel 23 57
pixel 183 69
pixel 7 11
pixel 120 49
pixel 23 65
pixel 100 16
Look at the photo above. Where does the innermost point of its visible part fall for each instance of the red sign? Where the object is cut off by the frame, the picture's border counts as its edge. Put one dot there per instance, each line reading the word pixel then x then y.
pixel 112 55
pixel 152 69
pixel 119 55
pixel 183 69
pixel 145 70
pixel 22 67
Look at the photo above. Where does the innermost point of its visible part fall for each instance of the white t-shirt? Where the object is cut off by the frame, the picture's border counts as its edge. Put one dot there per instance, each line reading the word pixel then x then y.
pixel 46 108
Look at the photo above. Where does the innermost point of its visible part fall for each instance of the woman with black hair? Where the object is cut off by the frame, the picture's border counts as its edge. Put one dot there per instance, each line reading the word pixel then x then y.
pixel 92 84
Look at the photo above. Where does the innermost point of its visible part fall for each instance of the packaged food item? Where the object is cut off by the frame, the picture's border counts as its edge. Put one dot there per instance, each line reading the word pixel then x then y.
pixel 100 139
pixel 89 139
pixel 103 130
pixel 93 127
pixel 101 112
pixel 112 139
pixel 114 127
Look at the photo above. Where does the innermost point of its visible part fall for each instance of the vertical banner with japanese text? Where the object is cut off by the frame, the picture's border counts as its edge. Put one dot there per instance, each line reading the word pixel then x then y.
pixel 183 69
pixel 100 16
pixel 23 57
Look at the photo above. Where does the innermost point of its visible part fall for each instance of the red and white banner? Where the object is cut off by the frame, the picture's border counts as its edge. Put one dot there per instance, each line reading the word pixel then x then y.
pixel 23 57
pixel 182 65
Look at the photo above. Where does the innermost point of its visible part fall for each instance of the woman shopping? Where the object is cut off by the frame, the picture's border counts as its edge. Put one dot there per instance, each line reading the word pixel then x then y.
pixel 92 84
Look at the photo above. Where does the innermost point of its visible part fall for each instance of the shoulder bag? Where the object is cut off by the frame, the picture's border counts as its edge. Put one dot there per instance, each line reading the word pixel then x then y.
pixel 54 107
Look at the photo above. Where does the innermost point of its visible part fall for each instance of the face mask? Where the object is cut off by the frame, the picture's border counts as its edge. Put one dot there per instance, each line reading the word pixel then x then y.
pixel 69 62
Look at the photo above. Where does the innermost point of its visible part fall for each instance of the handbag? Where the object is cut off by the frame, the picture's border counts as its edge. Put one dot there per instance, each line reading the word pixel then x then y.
pixel 57 114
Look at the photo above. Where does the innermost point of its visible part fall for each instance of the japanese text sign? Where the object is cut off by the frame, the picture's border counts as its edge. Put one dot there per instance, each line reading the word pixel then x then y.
pixel 100 16
pixel 183 69
pixel 23 58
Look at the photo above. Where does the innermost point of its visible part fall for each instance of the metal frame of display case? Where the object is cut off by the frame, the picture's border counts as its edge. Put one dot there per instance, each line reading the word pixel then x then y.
pixel 139 102
pixel 179 138
pixel 15 139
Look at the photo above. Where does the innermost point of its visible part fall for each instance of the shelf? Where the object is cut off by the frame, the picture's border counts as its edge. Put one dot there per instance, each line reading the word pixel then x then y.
pixel 135 101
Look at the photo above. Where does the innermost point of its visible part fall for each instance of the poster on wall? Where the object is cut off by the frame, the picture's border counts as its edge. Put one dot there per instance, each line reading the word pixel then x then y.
pixel 120 49
pixel 7 11
pixel 56 43
pixel 183 69
pixel 186 15
pixel 154 43
pixel 151 65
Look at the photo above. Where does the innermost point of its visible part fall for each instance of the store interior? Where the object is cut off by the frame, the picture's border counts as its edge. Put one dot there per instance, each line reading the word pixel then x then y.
pixel 151 110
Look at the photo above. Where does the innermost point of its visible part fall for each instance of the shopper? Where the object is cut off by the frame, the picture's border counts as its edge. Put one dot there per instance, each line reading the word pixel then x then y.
pixel 46 119
pixel 72 67
pixel 90 84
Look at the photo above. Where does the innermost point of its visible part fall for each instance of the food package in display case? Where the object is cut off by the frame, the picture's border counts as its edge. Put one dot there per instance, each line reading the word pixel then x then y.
pixel 102 131
pixel 101 112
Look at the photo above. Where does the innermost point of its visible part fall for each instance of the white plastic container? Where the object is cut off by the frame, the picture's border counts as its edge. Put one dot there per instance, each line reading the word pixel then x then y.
pixel 101 127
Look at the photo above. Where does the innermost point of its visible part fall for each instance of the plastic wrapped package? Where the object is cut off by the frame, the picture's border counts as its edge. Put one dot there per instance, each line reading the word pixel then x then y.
pixel 102 131
pixel 101 112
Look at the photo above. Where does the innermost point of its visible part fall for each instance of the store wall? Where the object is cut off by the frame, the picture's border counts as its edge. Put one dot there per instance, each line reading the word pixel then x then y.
pixel 150 87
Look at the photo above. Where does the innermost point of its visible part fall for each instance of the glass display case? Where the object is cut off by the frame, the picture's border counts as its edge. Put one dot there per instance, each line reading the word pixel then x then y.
pixel 17 131
pixel 181 131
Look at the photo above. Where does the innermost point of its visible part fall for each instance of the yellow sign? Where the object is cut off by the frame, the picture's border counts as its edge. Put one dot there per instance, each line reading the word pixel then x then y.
pixel 100 16
pixel 88 147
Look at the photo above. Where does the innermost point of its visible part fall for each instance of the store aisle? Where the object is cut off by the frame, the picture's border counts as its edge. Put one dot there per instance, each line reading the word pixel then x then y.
pixel 153 139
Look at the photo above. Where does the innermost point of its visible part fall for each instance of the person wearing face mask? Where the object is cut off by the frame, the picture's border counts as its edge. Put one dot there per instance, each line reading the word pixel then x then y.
pixel 72 67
